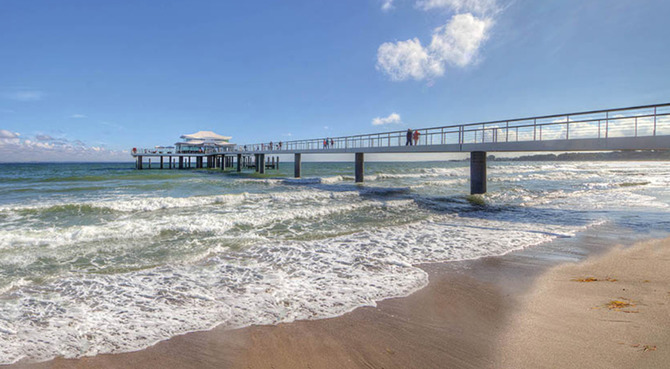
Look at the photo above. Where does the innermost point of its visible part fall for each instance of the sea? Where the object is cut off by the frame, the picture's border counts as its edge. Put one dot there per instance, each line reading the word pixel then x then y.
pixel 103 258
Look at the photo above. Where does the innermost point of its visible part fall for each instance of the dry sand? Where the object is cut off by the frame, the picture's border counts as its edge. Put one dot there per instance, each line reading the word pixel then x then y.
pixel 497 312
pixel 571 321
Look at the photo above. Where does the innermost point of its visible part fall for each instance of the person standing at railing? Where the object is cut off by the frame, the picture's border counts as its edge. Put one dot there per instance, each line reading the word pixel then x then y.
pixel 416 137
pixel 409 137
pixel 332 143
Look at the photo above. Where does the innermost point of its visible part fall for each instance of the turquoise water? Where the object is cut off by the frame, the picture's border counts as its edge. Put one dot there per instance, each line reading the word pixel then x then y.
pixel 98 258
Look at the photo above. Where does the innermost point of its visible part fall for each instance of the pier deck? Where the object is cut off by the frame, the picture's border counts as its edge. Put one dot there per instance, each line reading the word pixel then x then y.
pixel 633 128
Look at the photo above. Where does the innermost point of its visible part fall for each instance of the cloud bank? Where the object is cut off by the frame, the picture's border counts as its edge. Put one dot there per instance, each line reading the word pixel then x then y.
pixel 44 148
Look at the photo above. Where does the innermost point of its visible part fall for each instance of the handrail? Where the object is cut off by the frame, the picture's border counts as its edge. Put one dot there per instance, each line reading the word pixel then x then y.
pixel 510 132
pixel 645 120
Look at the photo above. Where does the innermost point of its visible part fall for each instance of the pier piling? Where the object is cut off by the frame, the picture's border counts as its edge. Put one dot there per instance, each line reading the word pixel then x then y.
pixel 360 167
pixel 297 165
pixel 239 162
pixel 477 172
pixel 261 163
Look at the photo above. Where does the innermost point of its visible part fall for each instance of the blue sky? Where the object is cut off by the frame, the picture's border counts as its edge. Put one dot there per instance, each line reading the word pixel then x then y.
pixel 88 80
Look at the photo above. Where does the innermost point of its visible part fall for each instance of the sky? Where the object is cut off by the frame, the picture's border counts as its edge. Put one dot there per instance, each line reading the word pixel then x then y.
pixel 89 80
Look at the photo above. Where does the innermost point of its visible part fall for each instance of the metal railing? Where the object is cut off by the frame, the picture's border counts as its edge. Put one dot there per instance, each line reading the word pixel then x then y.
pixel 638 121
pixel 204 151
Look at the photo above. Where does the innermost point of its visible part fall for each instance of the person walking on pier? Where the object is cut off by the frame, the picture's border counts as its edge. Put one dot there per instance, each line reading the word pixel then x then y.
pixel 416 138
pixel 409 137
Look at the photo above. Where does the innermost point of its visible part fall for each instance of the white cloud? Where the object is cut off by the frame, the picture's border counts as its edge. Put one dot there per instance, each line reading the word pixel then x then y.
pixel 456 43
pixel 407 59
pixel 78 116
pixel 43 137
pixel 391 119
pixel 25 95
pixel 387 5
pixel 5 134
pixel 460 6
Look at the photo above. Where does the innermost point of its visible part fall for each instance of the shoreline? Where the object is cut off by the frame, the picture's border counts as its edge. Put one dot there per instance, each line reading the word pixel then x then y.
pixel 460 319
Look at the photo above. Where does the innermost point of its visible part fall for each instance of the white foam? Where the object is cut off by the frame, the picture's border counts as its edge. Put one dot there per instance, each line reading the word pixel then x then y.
pixel 85 315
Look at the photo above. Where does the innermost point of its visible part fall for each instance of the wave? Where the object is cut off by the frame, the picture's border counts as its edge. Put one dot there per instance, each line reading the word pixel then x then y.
pixel 265 284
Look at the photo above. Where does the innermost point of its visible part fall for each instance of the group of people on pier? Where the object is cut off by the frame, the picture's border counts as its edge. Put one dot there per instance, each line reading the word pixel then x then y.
pixel 412 136
pixel 328 142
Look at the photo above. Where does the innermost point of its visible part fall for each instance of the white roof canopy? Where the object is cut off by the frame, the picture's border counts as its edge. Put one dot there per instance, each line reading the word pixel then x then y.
pixel 206 136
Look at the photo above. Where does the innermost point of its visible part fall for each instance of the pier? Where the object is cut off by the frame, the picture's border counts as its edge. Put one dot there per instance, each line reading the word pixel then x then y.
pixel 632 128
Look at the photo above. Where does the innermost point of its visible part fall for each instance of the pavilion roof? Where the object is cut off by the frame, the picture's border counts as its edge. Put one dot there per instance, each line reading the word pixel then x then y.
pixel 205 136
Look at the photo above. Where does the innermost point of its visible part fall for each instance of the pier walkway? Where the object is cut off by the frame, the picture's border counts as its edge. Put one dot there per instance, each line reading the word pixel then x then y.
pixel 633 128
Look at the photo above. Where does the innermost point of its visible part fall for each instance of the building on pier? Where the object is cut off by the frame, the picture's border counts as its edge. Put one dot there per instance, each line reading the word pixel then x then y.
pixel 203 142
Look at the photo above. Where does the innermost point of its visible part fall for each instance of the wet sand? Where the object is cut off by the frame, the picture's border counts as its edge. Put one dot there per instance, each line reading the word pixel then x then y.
pixel 520 310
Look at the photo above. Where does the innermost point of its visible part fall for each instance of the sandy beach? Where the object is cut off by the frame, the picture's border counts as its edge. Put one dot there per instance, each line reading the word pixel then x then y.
pixel 526 309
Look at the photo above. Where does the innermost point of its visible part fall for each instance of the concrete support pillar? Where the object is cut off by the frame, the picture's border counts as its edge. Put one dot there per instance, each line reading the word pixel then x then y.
pixel 189 162
pixel 139 163
pixel 239 162
pixel 297 165
pixel 261 162
pixel 161 163
pixel 477 172
pixel 181 162
pixel 360 167
pixel 149 163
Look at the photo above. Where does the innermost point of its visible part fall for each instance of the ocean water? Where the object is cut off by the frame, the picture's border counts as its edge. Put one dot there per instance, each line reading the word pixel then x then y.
pixel 101 258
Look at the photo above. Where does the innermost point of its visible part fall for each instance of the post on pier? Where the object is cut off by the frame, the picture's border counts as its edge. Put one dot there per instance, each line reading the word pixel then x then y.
pixel 239 162
pixel 189 162
pixel 261 162
pixel 360 167
pixel 256 162
pixel 149 163
pixel 161 162
pixel 181 162
pixel 139 163
pixel 297 165
pixel 477 172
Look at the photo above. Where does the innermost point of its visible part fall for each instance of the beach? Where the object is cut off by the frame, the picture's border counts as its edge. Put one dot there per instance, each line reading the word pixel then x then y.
pixel 525 309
